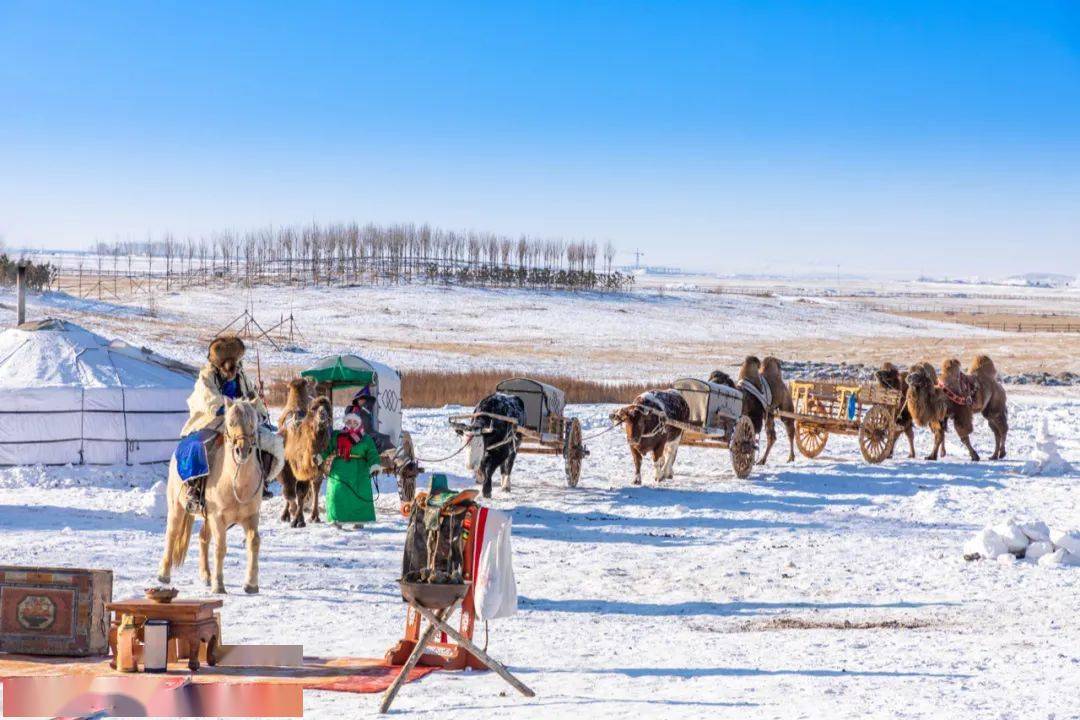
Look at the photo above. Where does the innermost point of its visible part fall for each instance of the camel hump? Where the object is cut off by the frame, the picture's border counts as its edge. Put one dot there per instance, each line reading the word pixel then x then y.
pixel 751 368
pixel 983 365
pixel 770 368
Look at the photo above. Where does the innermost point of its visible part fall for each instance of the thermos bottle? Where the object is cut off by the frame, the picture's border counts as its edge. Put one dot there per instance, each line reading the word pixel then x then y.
pixel 156 646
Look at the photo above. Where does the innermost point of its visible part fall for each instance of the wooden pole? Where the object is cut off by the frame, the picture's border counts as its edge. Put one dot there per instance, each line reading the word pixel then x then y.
pixel 472 648
pixel 414 657
pixel 20 282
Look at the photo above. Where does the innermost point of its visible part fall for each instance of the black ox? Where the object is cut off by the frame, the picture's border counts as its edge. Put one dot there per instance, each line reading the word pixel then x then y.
pixel 493 442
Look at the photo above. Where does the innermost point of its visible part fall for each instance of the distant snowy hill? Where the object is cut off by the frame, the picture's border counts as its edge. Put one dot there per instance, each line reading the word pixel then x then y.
pixel 1052 280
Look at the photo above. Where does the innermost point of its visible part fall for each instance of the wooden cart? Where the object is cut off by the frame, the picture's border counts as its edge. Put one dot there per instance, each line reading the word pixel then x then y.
pixel 717 421
pixel 865 410
pixel 546 430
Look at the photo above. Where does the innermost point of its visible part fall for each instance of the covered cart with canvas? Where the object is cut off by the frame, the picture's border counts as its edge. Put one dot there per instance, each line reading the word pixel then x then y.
pixel 382 405
pixel 717 421
pixel 864 410
pixel 545 430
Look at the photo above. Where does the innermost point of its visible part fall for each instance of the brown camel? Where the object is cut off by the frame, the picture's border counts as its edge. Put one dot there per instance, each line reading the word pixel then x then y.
pixel 781 400
pixel 927 404
pixel 300 395
pixel 306 446
pixel 890 377
pixel 977 392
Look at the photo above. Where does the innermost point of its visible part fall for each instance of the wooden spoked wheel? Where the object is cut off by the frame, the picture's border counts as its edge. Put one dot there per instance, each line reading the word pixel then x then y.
pixel 743 448
pixel 573 452
pixel 810 439
pixel 876 435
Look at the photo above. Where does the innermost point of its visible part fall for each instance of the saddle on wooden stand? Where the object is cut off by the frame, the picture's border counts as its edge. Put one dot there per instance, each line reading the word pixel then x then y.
pixel 438 570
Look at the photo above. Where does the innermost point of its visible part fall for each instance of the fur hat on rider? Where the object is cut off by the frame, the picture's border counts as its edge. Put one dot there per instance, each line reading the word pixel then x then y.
pixel 225 354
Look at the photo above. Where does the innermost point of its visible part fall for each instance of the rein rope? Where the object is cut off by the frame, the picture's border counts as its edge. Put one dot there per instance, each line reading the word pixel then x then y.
pixel 435 460
pixel 255 452
pixel 511 437
pixel 661 424
pixel 608 429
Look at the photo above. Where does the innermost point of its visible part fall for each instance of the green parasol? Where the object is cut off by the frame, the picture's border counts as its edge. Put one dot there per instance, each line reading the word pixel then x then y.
pixel 341 371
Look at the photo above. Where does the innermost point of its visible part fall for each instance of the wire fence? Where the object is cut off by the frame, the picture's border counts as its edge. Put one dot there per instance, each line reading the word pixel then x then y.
pixel 98 280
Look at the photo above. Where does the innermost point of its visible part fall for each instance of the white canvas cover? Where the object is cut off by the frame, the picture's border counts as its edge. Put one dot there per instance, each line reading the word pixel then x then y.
pixel 68 395
pixel 388 389
pixel 710 403
pixel 542 401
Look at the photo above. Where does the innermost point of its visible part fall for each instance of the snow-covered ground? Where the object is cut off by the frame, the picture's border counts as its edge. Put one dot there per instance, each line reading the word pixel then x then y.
pixel 821 589
pixel 633 336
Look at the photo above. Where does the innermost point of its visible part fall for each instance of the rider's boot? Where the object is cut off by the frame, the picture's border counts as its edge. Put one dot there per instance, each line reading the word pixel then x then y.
pixel 195 502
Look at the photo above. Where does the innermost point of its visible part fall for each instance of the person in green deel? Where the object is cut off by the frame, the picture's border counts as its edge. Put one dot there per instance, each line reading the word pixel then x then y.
pixel 349 494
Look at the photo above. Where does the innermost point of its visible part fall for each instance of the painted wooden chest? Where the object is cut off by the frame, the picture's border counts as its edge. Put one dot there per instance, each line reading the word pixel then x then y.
pixel 54 611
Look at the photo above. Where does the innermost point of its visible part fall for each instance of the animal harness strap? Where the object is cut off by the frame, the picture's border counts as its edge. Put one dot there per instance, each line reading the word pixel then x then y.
pixel 963 395
pixel 763 394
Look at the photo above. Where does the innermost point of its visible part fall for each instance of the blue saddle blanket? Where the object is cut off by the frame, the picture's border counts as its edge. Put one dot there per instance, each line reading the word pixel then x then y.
pixel 191 460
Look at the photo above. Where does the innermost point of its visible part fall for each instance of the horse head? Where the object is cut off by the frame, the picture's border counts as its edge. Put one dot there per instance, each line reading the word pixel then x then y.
pixel 241 424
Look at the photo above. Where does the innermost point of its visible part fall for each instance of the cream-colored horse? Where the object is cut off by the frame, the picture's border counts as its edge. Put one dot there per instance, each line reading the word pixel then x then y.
pixel 233 497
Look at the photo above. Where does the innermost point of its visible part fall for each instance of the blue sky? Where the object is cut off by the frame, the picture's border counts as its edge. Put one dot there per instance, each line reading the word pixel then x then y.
pixel 748 136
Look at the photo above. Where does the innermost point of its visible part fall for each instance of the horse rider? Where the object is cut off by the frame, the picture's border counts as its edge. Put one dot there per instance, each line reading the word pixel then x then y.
pixel 222 377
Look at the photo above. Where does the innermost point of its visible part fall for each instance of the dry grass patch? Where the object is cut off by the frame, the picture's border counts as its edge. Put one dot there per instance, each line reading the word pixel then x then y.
pixel 429 388
pixel 795 623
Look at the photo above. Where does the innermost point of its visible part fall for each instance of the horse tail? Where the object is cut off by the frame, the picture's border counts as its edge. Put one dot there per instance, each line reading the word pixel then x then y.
pixel 181 540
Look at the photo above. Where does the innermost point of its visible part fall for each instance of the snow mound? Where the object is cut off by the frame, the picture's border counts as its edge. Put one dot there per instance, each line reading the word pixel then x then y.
pixel 1033 541
pixel 1038 549
pixel 1061 556
pixel 1067 539
pixel 155 502
pixel 985 545
pixel 1016 541
pixel 1036 531
pixel 1046 457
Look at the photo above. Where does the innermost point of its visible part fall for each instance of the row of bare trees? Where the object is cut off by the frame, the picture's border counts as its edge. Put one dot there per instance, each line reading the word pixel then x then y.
pixel 351 253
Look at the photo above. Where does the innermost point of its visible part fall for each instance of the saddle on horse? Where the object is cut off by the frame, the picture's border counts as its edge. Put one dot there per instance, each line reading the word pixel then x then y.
pixel 195 454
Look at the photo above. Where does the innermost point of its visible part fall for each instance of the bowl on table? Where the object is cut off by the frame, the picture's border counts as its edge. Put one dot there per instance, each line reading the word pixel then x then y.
pixel 161 594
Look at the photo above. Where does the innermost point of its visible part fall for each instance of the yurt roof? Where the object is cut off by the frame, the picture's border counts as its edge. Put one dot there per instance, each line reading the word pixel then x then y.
pixel 58 353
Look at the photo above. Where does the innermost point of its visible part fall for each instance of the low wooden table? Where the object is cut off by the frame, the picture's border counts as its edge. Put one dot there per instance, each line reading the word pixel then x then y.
pixel 191 623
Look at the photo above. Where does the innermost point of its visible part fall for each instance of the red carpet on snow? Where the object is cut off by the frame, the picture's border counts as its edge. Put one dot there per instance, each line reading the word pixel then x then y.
pixel 353 675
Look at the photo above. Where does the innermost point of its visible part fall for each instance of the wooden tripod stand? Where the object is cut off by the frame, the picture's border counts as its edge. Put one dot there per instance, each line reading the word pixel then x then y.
pixel 437 621
pixel 454 650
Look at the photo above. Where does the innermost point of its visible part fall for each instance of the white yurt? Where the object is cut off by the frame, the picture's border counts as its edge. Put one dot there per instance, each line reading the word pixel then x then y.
pixel 68 395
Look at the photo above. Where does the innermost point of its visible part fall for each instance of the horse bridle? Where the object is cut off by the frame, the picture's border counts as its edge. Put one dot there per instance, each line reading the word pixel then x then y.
pixel 241 453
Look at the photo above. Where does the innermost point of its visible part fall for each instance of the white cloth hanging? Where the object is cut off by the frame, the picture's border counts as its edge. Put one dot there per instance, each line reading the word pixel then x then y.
pixel 494 590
